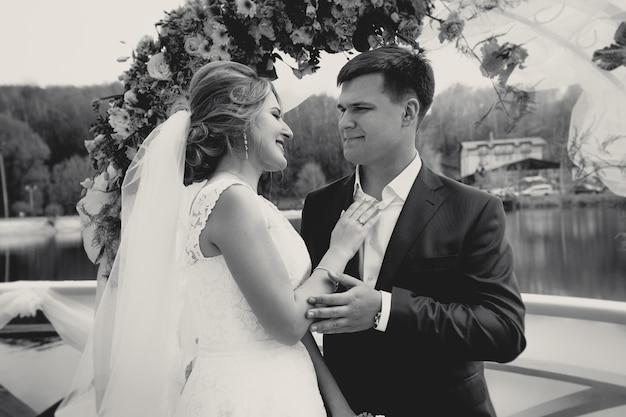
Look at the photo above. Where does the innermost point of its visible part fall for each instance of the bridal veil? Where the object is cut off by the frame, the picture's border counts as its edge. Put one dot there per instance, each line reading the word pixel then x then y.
pixel 134 361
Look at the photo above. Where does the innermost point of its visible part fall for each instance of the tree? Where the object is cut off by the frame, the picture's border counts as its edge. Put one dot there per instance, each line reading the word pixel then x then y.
pixel 316 138
pixel 61 115
pixel 65 188
pixel 310 177
pixel 20 208
pixel 24 154
pixel 430 155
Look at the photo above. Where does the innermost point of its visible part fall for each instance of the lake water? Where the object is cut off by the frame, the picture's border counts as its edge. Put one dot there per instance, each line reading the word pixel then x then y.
pixel 578 251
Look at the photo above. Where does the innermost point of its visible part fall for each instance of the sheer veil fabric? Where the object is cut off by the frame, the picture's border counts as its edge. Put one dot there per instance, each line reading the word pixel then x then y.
pixel 134 361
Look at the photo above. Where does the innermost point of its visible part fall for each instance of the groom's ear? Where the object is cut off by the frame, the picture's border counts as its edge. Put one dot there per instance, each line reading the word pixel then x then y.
pixel 411 111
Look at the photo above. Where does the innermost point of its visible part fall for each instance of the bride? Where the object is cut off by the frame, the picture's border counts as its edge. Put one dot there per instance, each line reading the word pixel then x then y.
pixel 204 311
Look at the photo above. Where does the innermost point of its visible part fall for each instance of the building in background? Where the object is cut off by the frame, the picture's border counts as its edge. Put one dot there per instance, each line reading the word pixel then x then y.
pixel 486 155
pixel 504 163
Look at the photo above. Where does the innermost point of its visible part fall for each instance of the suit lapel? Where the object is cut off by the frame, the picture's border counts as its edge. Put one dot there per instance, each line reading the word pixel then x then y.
pixel 420 206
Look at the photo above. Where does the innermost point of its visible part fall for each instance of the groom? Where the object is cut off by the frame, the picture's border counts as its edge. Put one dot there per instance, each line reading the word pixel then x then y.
pixel 436 294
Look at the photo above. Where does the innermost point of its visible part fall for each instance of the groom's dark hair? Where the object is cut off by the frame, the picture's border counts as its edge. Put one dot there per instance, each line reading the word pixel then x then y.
pixel 405 72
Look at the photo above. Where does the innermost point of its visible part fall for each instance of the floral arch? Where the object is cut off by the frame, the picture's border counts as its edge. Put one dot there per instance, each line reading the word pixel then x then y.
pixel 260 33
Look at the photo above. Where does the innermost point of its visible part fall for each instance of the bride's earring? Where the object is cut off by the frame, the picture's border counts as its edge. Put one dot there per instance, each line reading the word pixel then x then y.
pixel 245 143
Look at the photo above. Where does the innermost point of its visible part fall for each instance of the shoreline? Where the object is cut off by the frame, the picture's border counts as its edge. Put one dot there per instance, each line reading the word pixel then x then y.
pixel 40 225
pixel 43 225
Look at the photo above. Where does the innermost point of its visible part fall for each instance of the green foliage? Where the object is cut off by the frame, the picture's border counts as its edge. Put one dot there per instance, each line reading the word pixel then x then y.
pixel 61 116
pixel 41 127
pixel 53 210
pixel 310 177
pixel 65 189
pixel 315 138
pixel 24 153
pixel 20 208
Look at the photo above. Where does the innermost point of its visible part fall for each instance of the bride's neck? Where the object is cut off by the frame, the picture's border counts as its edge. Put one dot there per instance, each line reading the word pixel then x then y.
pixel 241 169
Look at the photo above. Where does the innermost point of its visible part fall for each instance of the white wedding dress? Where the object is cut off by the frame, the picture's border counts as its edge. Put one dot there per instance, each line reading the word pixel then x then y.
pixel 240 371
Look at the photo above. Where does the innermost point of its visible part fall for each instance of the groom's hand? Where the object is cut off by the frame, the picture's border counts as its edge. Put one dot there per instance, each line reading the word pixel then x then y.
pixel 350 311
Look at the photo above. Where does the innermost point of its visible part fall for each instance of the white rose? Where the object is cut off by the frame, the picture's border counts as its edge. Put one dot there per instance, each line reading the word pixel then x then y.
pixel 113 172
pixel 193 44
pixel 90 145
pixel 119 119
pixel 158 68
pixel 130 98
pixel 100 182
pixel 87 183
pixel 99 138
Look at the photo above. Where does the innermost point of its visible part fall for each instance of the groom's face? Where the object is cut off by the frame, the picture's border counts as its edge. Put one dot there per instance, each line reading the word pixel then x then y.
pixel 370 123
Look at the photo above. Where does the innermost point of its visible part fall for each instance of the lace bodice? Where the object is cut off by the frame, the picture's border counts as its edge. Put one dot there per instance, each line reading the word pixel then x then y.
pixel 223 317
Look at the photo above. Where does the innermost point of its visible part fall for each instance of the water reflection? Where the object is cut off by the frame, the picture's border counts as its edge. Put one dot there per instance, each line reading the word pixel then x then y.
pixel 34 257
pixel 570 251
pixel 578 251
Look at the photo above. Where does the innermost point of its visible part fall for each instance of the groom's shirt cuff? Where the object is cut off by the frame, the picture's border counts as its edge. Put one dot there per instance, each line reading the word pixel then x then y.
pixel 385 311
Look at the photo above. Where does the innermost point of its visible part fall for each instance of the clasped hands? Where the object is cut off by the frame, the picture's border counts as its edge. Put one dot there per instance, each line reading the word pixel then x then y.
pixel 346 312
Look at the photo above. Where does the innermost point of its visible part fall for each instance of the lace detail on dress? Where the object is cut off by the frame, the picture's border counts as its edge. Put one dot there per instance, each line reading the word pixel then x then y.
pixel 200 209
pixel 230 321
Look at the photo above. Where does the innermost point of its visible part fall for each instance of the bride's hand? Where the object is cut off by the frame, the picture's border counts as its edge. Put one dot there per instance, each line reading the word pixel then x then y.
pixel 353 225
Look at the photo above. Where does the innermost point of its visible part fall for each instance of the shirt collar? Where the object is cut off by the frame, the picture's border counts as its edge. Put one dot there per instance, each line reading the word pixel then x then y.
pixel 400 186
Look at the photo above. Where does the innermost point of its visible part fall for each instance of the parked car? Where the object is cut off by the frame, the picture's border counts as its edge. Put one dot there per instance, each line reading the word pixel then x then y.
pixel 586 188
pixel 538 190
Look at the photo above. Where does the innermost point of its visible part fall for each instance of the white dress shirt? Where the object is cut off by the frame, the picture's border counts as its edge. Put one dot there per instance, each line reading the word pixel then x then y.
pixel 373 249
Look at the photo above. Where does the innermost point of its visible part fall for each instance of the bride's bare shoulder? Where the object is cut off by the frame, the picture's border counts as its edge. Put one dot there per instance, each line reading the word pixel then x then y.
pixel 236 208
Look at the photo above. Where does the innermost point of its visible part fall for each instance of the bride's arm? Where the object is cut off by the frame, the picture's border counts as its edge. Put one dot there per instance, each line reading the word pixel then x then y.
pixel 334 400
pixel 237 229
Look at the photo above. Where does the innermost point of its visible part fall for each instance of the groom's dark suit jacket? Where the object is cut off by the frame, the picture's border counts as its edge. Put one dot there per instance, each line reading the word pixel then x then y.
pixel 455 302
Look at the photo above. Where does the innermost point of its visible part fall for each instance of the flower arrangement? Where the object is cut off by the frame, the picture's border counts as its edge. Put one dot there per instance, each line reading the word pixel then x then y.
pixel 250 32
pixel 497 62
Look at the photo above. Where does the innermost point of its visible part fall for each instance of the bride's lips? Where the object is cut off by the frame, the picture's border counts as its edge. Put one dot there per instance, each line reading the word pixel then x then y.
pixel 281 145
pixel 353 138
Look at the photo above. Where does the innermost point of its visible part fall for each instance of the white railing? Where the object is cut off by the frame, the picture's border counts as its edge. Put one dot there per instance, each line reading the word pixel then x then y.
pixel 574 363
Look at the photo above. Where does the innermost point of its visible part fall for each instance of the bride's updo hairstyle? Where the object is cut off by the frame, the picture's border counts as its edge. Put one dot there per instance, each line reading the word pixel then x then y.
pixel 224 98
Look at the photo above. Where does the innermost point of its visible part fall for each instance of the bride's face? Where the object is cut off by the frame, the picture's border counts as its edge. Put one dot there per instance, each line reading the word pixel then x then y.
pixel 269 133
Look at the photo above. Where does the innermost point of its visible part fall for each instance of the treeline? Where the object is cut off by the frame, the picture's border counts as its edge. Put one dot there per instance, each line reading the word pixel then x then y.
pixel 42 134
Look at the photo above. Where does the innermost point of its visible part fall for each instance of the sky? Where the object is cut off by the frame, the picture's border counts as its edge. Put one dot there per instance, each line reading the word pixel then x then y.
pixel 78 42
